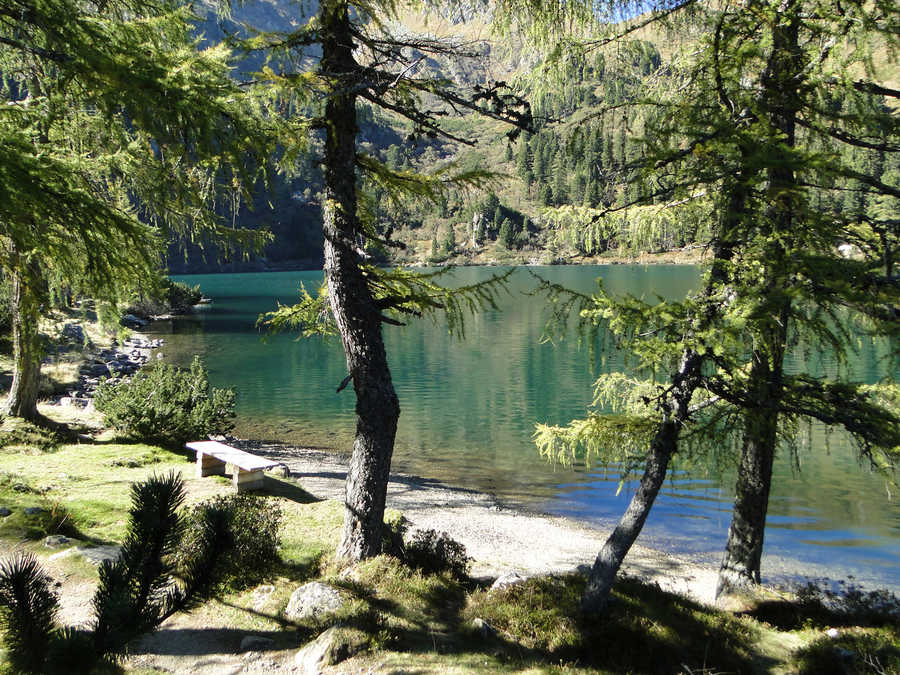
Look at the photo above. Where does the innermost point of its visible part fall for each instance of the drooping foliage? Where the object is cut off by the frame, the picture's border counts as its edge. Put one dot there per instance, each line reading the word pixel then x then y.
pixel 117 131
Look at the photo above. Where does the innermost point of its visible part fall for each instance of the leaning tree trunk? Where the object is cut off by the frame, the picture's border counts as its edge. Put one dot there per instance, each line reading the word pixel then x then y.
pixel 740 568
pixel 603 573
pixel 23 394
pixel 663 446
pixel 357 316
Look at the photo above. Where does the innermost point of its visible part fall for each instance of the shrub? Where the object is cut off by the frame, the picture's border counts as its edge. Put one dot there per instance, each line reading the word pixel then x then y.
pixel 435 552
pixel 252 524
pixel 167 405
pixel 182 297
pixel 28 610
pixel 164 297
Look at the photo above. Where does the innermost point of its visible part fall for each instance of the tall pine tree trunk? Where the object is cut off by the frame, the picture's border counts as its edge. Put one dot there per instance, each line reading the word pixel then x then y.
pixel 356 314
pixel 741 564
pixel 22 398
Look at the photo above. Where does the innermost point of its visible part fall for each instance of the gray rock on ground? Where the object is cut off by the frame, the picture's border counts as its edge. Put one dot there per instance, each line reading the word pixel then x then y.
pixel 333 646
pixel 507 580
pixel 96 555
pixel 55 541
pixel 487 630
pixel 314 599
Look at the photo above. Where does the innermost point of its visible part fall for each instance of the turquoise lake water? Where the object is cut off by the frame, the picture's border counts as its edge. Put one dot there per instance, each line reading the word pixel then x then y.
pixel 469 409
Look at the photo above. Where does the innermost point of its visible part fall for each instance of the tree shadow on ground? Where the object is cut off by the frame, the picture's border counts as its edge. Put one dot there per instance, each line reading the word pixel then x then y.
pixel 276 487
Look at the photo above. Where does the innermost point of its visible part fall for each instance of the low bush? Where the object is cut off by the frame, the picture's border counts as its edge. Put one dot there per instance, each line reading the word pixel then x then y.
pixel 252 524
pixel 435 552
pixel 855 652
pixel 167 405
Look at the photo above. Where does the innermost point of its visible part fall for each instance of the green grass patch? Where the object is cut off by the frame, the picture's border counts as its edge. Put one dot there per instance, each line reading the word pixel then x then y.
pixel 413 622
pixel 19 436
pixel 852 652
pixel 90 482
pixel 646 630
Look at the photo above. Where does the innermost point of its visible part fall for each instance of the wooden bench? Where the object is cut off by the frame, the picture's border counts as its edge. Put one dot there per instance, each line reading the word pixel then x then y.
pixel 247 469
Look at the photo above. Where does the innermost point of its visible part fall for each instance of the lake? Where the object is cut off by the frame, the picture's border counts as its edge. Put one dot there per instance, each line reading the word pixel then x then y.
pixel 469 409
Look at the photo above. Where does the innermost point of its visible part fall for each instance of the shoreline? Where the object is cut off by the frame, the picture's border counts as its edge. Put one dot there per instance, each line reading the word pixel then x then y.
pixel 499 538
pixel 693 256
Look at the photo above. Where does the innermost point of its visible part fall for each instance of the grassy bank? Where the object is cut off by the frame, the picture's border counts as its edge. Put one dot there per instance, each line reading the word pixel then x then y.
pixel 400 619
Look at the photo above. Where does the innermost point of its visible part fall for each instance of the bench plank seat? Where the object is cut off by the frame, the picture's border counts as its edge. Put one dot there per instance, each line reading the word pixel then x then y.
pixel 247 469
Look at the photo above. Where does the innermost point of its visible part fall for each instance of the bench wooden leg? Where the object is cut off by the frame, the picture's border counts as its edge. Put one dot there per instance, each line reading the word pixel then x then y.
pixel 247 480
pixel 209 466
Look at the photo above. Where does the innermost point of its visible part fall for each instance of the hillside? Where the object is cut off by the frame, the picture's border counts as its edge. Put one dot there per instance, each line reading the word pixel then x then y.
pixel 541 205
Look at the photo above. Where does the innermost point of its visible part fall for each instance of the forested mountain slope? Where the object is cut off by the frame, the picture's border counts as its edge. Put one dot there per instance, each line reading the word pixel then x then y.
pixel 552 185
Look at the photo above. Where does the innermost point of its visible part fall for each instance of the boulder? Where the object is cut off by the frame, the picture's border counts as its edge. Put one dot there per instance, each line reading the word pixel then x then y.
pixel 486 630
pixel 507 580
pixel 132 321
pixel 261 594
pixel 312 600
pixel 56 540
pixel 96 555
pixel 333 646
pixel 73 331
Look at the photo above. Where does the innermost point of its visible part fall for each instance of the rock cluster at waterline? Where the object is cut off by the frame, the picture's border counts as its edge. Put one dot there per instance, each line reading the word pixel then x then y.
pixel 117 364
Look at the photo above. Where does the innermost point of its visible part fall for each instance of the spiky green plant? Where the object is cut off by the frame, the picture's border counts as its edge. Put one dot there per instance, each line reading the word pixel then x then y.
pixel 136 592
pixel 27 612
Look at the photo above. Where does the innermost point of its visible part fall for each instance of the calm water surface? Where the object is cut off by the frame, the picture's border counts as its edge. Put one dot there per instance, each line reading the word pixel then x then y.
pixel 469 410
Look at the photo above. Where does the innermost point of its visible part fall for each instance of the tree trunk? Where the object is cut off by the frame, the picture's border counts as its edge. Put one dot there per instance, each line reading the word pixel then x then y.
pixel 356 314
pixel 609 560
pixel 23 394
pixel 740 566
pixel 664 444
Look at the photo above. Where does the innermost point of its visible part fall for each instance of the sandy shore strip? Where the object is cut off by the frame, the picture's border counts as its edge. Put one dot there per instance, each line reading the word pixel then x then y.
pixel 499 539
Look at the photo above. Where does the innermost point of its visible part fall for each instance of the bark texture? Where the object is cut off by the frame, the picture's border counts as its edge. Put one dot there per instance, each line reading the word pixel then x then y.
pixel 356 314
pixel 23 394
pixel 743 551
pixel 606 566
